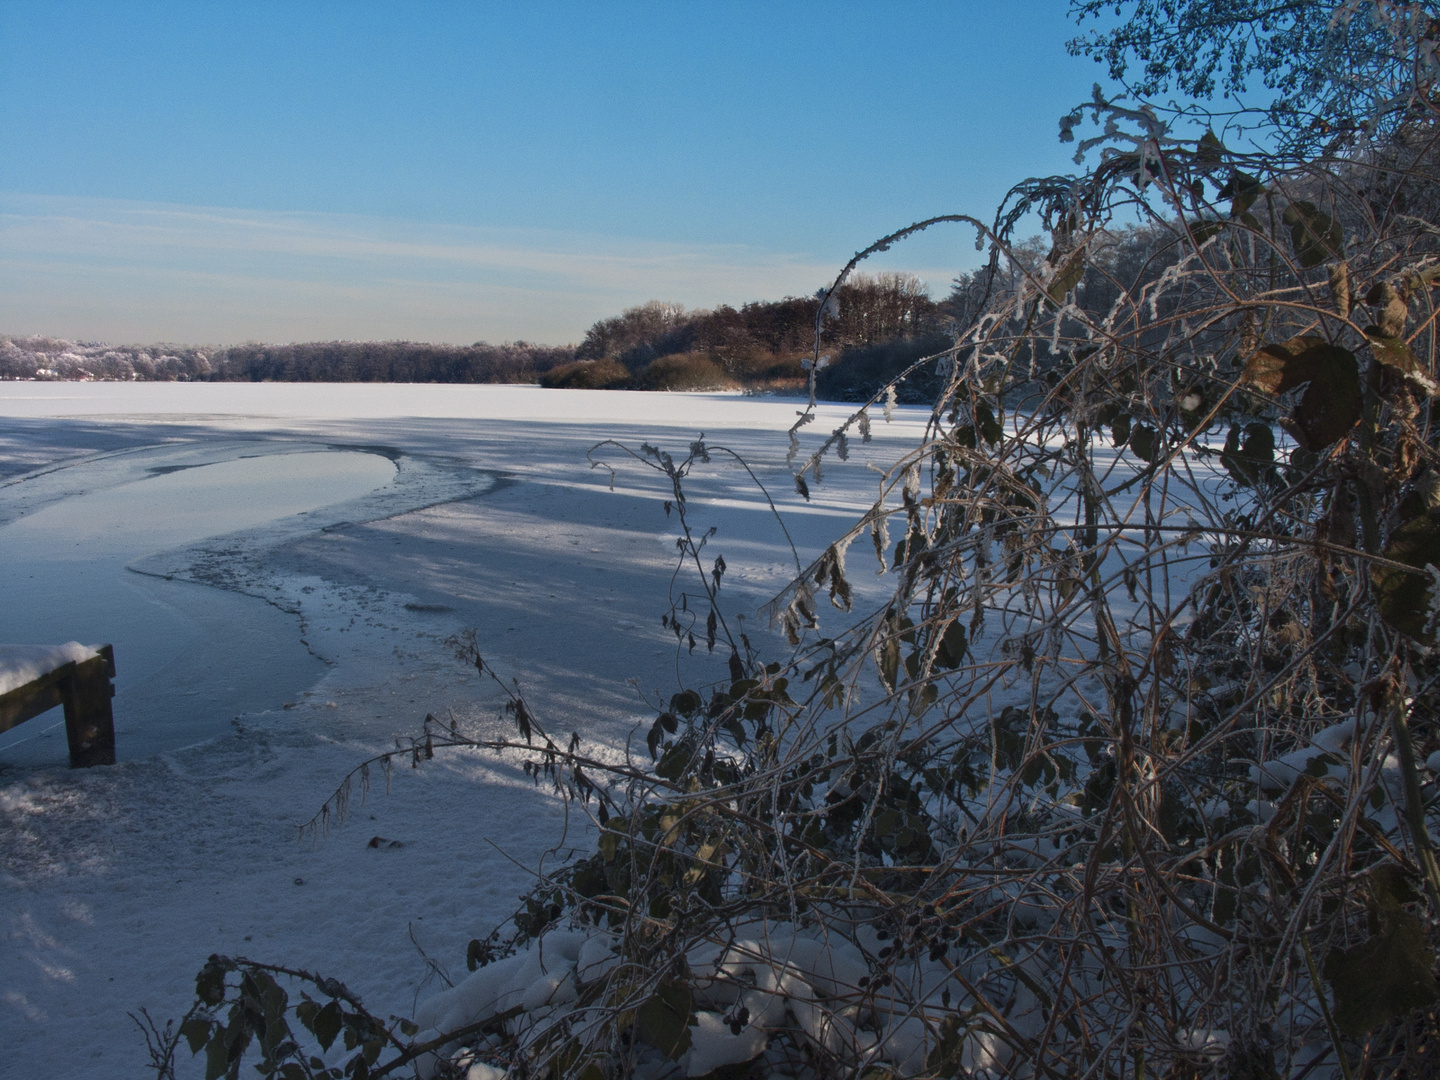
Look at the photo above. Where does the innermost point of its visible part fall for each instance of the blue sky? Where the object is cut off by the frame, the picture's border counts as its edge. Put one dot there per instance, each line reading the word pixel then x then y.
pixel 217 172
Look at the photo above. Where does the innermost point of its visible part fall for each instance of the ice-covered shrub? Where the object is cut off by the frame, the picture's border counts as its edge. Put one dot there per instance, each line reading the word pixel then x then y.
pixel 683 371
pixel 587 375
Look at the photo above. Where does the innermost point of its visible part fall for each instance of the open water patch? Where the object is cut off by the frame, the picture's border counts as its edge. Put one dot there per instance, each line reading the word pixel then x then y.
pixel 190 659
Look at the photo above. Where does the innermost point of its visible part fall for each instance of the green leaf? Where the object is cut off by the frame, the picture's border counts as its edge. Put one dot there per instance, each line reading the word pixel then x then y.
pixel 1330 406
pixel 1099 787
pixel 1209 150
pixel 674 761
pixel 210 983
pixel 889 662
pixel 990 428
pixel 1396 354
pixel 664 1018
pixel 1390 888
pixel 327 1024
pixel 274 1002
pixel 1315 236
pixel 952 648
pixel 740 687
pixel 1280 367
pixel 1393 308
pixel 217 1055
pixel 1404 597
pixel 1120 431
pixel 196 1032
pixel 1201 231
pixel 1328 409
pixel 686 703
pixel 922 698
pixel 1242 190
pixel 1249 453
pixel 306 1011
pixel 609 845
pixel 1143 442
pixel 736 730
pixel 1387 977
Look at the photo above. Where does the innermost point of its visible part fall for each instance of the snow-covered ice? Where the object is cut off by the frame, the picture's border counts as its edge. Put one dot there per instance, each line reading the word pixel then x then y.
pixel 471 507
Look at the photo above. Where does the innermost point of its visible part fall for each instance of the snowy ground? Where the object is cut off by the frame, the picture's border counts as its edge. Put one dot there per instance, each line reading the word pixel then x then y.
pixel 118 882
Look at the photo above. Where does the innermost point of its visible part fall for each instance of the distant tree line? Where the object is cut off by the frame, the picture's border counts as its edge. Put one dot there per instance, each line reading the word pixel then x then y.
pixel 55 358
pixel 329 361
pixel 879 326
pixel 390 361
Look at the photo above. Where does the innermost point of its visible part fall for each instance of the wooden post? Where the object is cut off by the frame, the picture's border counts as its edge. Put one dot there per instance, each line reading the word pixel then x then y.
pixel 89 720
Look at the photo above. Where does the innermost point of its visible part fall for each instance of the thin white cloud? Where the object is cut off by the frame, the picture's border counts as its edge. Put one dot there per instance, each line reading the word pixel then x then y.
pixel 114 270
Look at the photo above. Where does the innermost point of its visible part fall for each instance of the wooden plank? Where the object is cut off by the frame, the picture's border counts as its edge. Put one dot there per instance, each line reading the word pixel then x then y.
pixel 29 701
pixel 84 690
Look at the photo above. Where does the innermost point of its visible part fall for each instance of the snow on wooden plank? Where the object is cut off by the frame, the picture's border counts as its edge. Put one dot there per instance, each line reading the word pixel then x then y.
pixel 73 676
pixel 22 664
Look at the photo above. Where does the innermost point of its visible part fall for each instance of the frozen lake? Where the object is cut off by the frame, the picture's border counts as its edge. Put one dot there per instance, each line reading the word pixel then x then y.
pixel 192 658
pixel 322 542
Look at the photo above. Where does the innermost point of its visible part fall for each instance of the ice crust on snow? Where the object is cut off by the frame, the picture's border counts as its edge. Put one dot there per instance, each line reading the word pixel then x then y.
pixel 21 664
